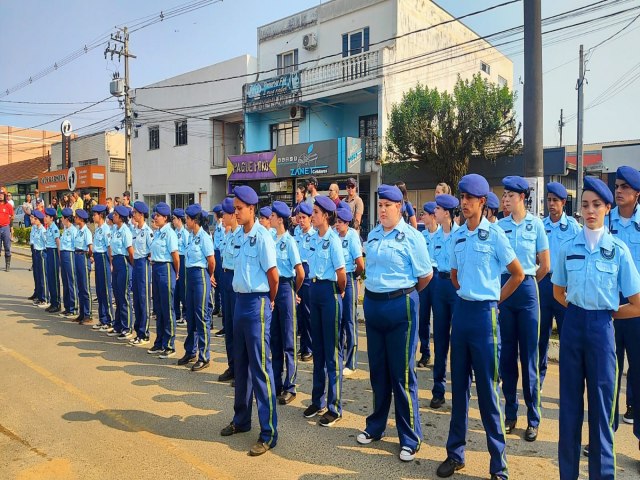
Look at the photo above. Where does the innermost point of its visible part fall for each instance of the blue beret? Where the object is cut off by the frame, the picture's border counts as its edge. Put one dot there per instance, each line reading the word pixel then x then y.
pixel 390 192
pixel 38 214
pixel 265 212
pixel 343 204
pixel 178 212
pixel 193 210
pixel 429 207
pixel 305 208
pixel 217 208
pixel 344 213
pixel 99 208
pixel 629 175
pixel 281 209
pixel 141 207
pixel 600 188
pixel 52 212
pixel 227 206
pixel 163 209
pixel 110 216
pixel 82 214
pixel 493 201
pixel 516 184
pixel 474 185
pixel 325 203
pixel 557 189
pixel 246 194
pixel 67 212
pixel 447 201
pixel 122 211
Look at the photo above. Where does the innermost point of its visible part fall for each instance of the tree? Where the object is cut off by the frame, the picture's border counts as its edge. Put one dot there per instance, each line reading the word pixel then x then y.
pixel 445 131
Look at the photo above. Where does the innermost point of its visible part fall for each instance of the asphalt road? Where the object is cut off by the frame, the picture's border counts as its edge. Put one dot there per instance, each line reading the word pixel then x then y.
pixel 77 404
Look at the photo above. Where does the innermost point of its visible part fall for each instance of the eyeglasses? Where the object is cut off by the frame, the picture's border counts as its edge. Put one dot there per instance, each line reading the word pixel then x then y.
pixel 351 186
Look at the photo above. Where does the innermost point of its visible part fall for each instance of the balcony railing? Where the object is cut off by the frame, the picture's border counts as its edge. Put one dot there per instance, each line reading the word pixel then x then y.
pixel 351 69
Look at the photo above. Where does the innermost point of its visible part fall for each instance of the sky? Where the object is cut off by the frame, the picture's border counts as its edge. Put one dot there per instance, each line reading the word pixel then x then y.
pixel 44 33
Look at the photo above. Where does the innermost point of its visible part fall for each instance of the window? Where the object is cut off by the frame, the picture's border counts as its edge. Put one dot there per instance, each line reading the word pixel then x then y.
pixel 356 42
pixel 153 200
pixel 502 81
pixel 181 200
pixel 181 133
pixel 288 62
pixel 154 137
pixel 286 133
pixel 485 67
pixel 117 165
pixel 368 130
pixel 84 163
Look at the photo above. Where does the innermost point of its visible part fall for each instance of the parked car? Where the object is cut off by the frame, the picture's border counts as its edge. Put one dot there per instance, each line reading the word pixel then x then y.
pixel 18 219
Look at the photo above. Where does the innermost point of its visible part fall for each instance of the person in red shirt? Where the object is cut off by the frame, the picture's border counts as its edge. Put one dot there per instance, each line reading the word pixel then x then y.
pixel 6 220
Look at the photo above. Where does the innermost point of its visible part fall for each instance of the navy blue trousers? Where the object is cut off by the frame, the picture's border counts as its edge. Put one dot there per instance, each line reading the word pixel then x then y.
pixel 549 309
pixel 349 323
pixel 81 263
pixel 120 282
pixel 587 354
pixel 33 273
pixel 326 312
pixel 180 299
pixel 53 276
pixel 253 371
pixel 627 335
pixel 68 273
pixel 141 296
pixel 103 287
pixel 284 338
pixel 164 285
pixel 444 301
pixel 475 345
pixel 304 313
pixel 424 315
pixel 39 272
pixel 198 314
pixel 392 338
pixel 217 275
pixel 519 334
pixel 228 307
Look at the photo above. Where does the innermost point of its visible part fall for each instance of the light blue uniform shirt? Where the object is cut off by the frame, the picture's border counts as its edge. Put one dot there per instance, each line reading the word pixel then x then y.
pixel 184 237
pixel 428 237
pixel 564 229
pixel 629 233
pixel 254 255
pixel 83 239
pixel 227 249
pixel 121 240
pixel 480 257
pixel 441 248
pixel 68 239
pixel 53 232
pixel 141 241
pixel 39 238
pixel 218 234
pixel 593 279
pixel 164 243
pixel 396 259
pixel 326 256
pixel 287 255
pixel 199 249
pixel 273 233
pixel 102 238
pixel 528 238
pixel 304 243
pixel 351 249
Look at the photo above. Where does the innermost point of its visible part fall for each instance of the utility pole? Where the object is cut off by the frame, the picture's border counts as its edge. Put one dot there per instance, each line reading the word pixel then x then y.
pixel 579 159
pixel 561 124
pixel 122 38
pixel 532 101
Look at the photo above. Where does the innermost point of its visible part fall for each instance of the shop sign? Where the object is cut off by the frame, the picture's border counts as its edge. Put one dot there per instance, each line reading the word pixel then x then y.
pixel 74 178
pixel 304 159
pixel 272 93
pixel 251 166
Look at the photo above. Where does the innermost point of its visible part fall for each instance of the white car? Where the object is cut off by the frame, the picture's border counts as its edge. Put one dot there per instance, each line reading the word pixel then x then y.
pixel 18 218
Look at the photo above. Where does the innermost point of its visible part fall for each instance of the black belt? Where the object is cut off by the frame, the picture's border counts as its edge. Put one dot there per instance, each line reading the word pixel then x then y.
pixel 445 275
pixel 227 270
pixel 286 279
pixel 388 295
pixel 81 251
pixel 316 280
pixel 161 263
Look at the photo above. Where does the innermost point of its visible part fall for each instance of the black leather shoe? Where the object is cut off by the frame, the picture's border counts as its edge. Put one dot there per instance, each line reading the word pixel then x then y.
pixel 448 468
pixel 186 360
pixel 531 434
pixel 231 429
pixel 286 398
pixel 78 319
pixel 424 361
pixel 510 425
pixel 199 365
pixel 436 402
pixel 585 451
pixel 32 297
pixel 226 376
pixel 55 310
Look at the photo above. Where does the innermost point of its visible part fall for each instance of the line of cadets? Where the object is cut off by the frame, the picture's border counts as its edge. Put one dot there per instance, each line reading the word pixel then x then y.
pixel 273 283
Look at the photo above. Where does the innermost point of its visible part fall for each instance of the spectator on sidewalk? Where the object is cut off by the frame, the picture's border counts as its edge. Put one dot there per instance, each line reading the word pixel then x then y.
pixel 355 203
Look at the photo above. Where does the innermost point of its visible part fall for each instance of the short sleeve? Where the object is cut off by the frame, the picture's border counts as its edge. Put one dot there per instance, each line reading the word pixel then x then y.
pixel 559 276
pixel 504 251
pixel 410 210
pixel 89 237
pixel 294 253
pixel 453 259
pixel 149 237
pixel 207 246
pixel 267 252
pixel 419 255
pixel 542 241
pixel 355 249
pixel 359 206
pixel 628 276
pixel 172 242
pixel 337 255
pixel 57 234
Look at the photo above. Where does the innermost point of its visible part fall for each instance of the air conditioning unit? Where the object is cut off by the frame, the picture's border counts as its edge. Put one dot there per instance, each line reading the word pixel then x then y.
pixel 310 41
pixel 296 113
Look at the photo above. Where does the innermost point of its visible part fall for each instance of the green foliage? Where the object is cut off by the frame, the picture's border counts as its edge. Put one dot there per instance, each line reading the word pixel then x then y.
pixel 22 234
pixel 445 130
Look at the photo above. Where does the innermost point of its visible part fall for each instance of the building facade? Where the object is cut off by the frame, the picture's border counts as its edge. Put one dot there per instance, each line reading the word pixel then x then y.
pixel 18 144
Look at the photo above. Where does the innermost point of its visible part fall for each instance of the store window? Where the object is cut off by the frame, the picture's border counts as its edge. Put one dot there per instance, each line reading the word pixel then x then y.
pixel 153 200
pixel 286 133
pixel 368 132
pixel 288 62
pixel 181 200
pixel 85 163
pixel 154 138
pixel 181 133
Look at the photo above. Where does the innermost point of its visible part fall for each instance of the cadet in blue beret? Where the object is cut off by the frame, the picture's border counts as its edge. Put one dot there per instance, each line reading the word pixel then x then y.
pixel 559 228
pixel 255 282
pixel 265 220
pixel 38 239
pixel 493 206
pixel 52 260
pixel 101 246
pixel 122 261
pixel 227 253
pixel 624 224
pixel 591 272
pixel 481 251
pixel 408 212
pixel 184 237
pixel 444 293
pixel 284 337
pixel 218 235
pixel 83 243
pixel 354 266
pixel 67 266
pixel 303 238
pixel 398 266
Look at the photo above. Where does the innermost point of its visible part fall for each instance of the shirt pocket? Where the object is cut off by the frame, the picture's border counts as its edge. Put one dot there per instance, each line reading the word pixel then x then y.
pixel 634 246
pixel 459 252
pixel 607 274
pixel 482 254
pixel 529 242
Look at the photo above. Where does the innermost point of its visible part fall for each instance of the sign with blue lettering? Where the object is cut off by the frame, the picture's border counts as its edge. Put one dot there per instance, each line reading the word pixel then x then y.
pixel 326 157
pixel 272 93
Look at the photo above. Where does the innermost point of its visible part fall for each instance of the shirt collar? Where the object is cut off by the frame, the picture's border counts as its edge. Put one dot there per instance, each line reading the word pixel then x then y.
pixel 165 227
pixel 606 241
pixel 615 215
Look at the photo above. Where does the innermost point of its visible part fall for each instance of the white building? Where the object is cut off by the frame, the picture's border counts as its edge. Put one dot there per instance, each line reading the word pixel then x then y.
pixel 183 134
